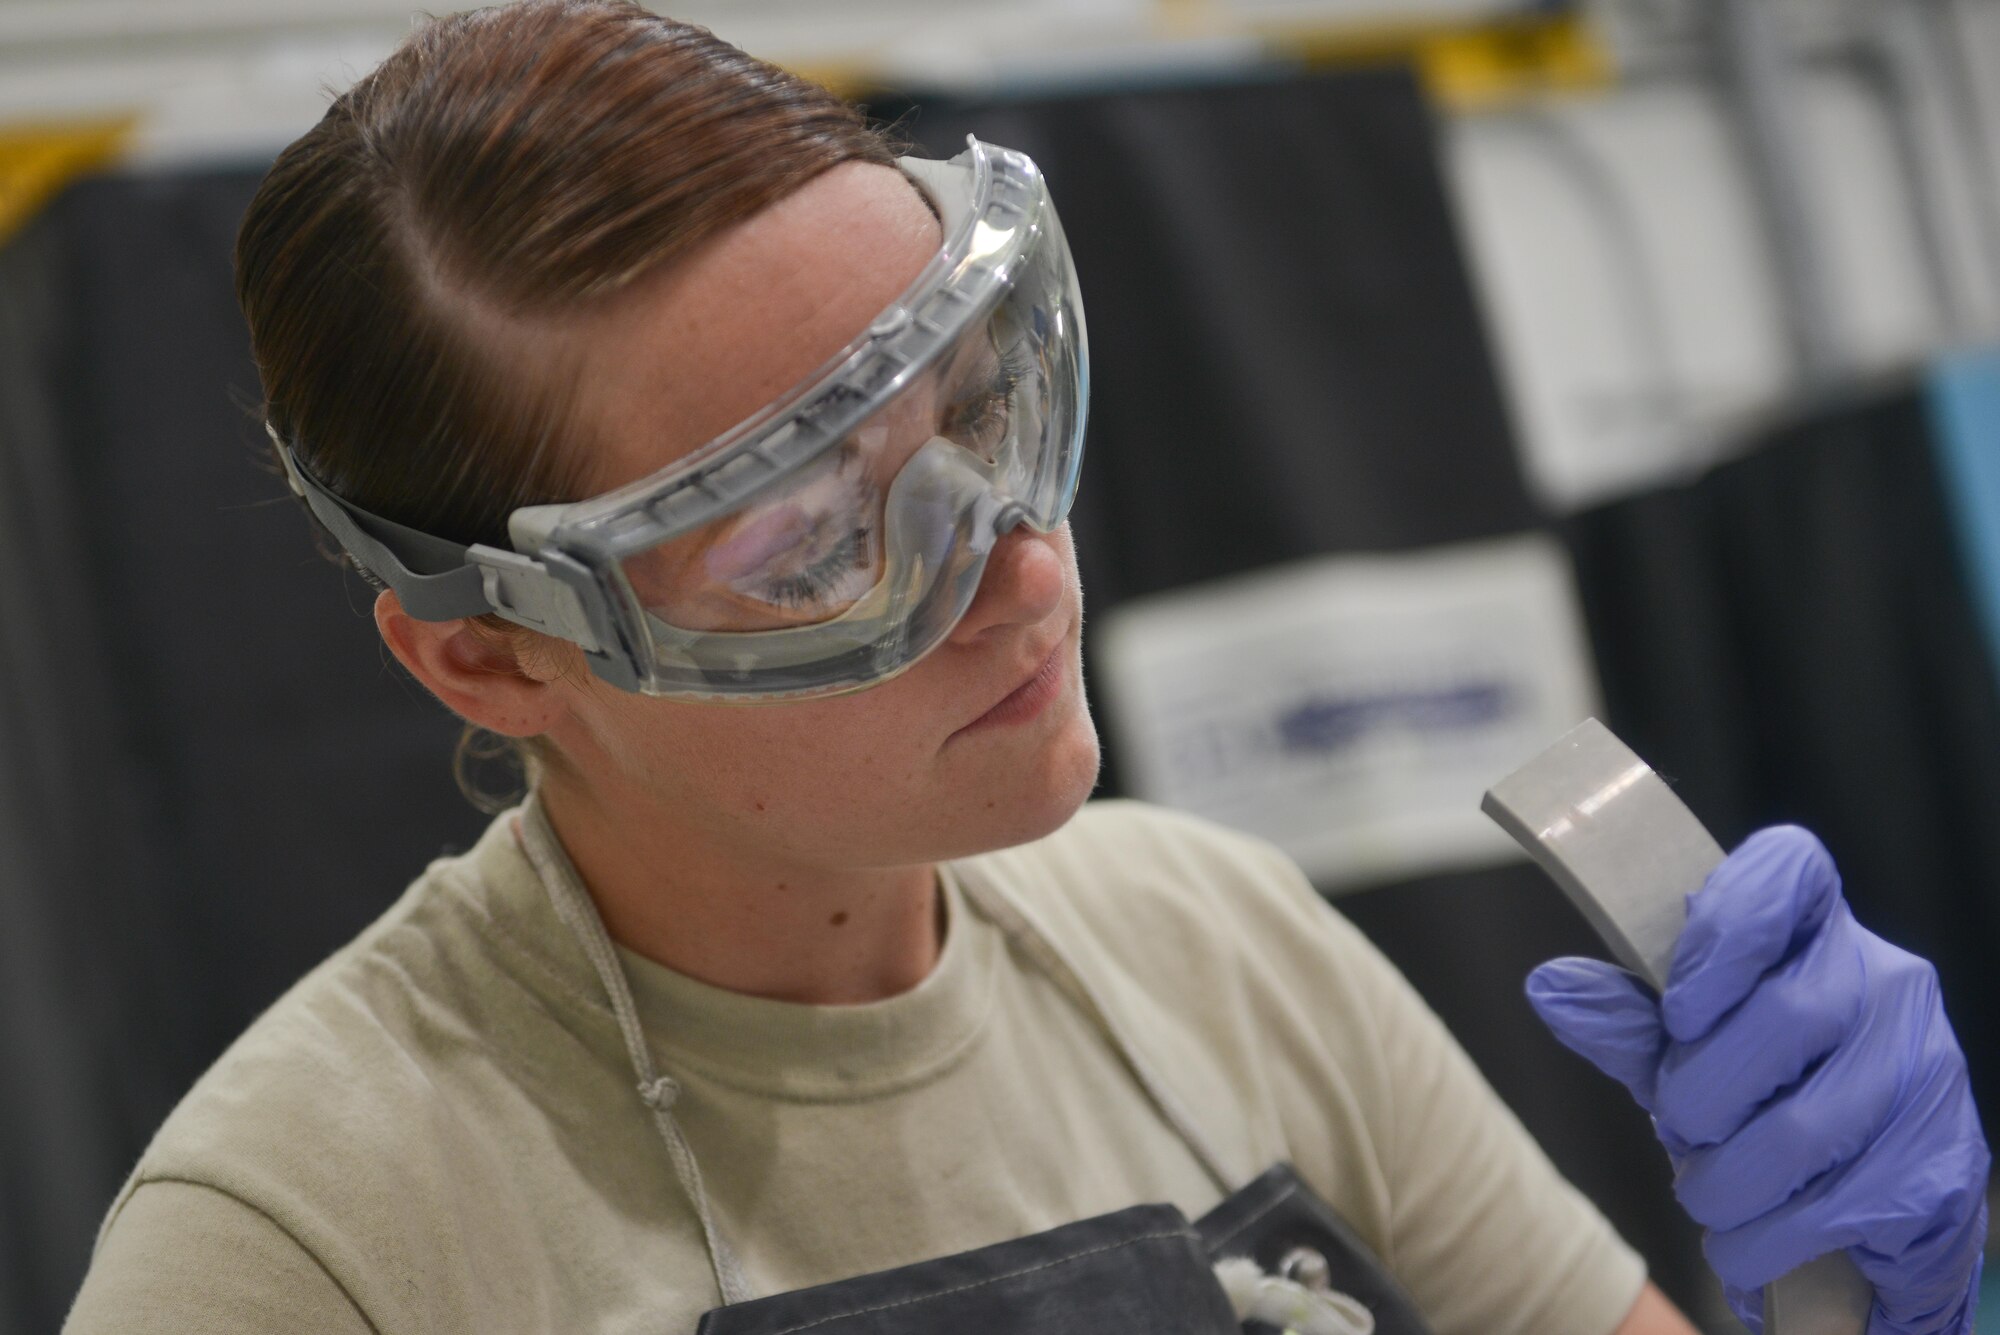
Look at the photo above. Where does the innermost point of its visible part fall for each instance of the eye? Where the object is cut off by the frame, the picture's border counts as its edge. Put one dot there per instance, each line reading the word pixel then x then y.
pixel 978 418
pixel 817 555
pixel 809 548
pixel 977 422
pixel 828 581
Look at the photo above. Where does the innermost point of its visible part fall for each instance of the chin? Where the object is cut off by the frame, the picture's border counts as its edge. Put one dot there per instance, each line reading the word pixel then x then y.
pixel 1038 796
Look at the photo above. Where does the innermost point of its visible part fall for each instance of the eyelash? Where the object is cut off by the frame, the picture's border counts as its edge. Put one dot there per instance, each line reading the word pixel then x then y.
pixel 820 580
pixel 972 416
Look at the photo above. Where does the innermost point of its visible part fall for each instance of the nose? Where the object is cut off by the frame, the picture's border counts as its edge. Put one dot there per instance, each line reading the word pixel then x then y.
pixel 1022 586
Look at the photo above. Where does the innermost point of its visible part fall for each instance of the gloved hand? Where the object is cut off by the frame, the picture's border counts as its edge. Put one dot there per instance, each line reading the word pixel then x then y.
pixel 1800 1071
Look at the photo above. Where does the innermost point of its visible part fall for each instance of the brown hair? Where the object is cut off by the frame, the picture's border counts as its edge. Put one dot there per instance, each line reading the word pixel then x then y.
pixel 501 169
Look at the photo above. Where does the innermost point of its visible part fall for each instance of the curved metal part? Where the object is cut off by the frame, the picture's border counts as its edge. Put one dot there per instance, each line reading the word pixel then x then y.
pixel 1628 853
pixel 1613 836
pixel 1825 1296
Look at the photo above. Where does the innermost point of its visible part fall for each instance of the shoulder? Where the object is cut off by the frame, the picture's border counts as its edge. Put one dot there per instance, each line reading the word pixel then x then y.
pixel 1216 959
pixel 1117 845
pixel 1130 871
pixel 338 1043
pixel 347 1115
pixel 1176 916
pixel 327 1064
pixel 186 1257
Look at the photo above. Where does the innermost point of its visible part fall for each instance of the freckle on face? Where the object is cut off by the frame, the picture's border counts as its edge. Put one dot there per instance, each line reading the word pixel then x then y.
pixel 837 920
pixel 855 780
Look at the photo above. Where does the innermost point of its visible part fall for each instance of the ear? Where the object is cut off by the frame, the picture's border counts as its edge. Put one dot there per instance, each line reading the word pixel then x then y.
pixel 482 683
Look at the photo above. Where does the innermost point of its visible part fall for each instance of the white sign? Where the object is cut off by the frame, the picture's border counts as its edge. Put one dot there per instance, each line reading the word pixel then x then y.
pixel 1352 709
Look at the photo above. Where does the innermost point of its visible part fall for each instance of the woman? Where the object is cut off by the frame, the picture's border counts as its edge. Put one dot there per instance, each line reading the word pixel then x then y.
pixel 890 1038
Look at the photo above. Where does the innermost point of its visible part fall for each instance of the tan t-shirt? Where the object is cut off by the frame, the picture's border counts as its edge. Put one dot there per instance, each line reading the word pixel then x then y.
pixel 438 1129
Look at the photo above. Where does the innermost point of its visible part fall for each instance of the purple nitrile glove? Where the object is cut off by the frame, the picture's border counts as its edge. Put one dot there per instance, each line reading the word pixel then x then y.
pixel 1802 1075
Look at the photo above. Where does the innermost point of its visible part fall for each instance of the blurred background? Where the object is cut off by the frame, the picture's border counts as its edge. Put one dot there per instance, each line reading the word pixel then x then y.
pixel 1462 368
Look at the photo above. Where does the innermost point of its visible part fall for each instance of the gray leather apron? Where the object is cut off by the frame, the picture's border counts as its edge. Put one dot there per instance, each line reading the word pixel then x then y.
pixel 1143 1270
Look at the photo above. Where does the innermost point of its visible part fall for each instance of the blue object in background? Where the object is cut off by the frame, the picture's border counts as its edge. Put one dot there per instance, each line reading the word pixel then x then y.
pixel 1327 723
pixel 1964 398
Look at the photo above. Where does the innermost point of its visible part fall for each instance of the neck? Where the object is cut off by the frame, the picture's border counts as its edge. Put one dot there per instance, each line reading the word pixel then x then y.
pixel 750 922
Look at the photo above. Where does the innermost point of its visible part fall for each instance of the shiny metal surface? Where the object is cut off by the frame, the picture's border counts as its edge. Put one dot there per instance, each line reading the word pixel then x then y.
pixel 1628 853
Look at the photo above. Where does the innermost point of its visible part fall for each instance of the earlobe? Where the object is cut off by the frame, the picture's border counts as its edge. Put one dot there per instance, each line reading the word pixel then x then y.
pixel 481 681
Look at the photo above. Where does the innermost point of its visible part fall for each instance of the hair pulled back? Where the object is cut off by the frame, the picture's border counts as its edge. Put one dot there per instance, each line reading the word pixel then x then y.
pixel 501 168
pixel 406 264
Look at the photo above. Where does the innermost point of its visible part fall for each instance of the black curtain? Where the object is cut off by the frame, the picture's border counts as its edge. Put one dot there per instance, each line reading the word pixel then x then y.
pixel 69 831
pixel 209 777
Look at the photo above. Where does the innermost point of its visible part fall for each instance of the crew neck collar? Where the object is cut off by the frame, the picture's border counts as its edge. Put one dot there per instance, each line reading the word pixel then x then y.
pixel 814 1053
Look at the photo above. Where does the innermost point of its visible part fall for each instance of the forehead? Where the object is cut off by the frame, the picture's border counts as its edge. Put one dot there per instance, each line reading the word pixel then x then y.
pixel 689 353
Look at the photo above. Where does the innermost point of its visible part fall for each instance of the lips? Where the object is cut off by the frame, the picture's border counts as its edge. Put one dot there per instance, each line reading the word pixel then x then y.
pixel 1025 701
pixel 1050 662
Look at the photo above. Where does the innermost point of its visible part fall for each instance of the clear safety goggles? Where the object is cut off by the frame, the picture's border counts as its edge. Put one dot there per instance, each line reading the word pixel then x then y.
pixel 834 538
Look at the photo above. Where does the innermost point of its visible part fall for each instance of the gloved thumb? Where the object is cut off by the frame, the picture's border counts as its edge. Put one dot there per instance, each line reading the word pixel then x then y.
pixel 1604 1015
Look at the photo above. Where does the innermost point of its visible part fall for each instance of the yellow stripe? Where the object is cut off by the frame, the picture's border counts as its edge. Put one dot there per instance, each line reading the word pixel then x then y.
pixel 1483 68
pixel 38 160
pixel 851 79
pixel 1464 68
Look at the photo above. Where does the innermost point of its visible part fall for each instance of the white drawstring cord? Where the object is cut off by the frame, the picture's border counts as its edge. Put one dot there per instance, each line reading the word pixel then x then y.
pixel 658 1092
pixel 1287 1304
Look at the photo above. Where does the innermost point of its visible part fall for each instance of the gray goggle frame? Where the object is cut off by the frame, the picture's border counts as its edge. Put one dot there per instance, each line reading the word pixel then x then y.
pixel 563 577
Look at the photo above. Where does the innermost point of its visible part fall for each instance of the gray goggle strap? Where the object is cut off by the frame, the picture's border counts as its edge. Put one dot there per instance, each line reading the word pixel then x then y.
pixel 440 580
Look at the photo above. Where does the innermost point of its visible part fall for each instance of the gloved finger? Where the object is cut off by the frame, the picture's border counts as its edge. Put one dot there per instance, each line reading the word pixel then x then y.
pixel 1764 901
pixel 1908 1207
pixel 1604 1015
pixel 1804 1133
pixel 1792 1018
pixel 1940 1296
pixel 1916 1201
pixel 1749 1259
pixel 1759 1250
pixel 1921 1256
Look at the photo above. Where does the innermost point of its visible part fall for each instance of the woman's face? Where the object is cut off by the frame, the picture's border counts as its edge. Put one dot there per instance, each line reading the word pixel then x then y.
pixel 986 741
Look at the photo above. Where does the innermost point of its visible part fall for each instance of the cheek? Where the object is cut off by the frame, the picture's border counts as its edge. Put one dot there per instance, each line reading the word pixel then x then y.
pixel 842 755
